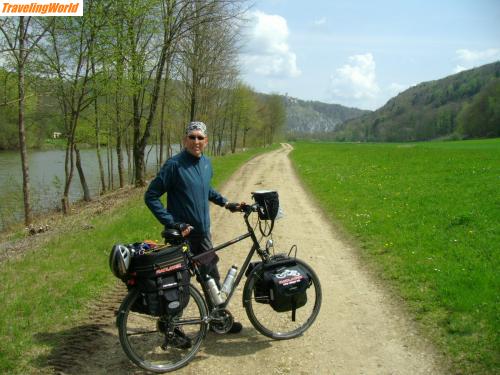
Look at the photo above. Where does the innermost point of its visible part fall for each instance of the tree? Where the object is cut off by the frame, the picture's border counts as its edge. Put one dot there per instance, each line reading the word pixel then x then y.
pixel 277 117
pixel 25 40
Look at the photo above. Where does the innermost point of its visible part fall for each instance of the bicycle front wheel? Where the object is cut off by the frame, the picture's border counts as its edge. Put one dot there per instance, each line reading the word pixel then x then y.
pixel 151 343
pixel 281 325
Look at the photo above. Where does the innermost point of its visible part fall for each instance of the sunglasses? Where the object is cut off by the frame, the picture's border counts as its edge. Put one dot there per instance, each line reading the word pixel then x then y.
pixel 194 137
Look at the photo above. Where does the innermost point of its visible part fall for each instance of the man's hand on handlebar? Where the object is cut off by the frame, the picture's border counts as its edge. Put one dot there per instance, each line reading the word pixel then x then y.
pixel 235 207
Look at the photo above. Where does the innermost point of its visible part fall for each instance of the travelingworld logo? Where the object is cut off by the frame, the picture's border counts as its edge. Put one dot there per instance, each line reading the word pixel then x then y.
pixel 41 8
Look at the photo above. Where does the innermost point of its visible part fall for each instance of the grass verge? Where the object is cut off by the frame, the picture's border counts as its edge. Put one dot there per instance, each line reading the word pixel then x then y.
pixel 49 290
pixel 428 216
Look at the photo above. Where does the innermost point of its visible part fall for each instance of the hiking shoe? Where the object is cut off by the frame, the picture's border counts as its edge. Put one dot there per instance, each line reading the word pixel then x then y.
pixel 235 328
pixel 180 340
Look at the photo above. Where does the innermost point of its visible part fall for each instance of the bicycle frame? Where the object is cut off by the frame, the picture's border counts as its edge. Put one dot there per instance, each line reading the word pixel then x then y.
pixel 255 248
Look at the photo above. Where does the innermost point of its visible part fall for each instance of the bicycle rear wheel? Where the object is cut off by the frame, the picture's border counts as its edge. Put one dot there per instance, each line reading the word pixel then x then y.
pixel 280 325
pixel 147 340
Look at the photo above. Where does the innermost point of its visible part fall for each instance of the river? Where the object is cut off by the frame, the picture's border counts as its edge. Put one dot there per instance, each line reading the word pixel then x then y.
pixel 46 170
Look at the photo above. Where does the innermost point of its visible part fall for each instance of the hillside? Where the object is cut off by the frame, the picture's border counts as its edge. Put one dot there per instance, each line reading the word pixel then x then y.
pixel 463 105
pixel 308 117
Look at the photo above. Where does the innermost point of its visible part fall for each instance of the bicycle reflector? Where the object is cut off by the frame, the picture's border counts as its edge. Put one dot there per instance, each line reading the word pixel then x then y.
pixel 119 260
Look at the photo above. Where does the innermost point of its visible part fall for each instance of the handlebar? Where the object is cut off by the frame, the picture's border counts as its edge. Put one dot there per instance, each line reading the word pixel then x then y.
pixel 249 208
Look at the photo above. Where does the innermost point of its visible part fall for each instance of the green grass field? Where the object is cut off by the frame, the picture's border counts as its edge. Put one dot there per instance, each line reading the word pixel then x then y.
pixel 427 216
pixel 49 290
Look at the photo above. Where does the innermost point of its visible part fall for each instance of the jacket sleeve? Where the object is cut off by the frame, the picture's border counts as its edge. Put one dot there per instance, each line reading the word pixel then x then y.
pixel 159 186
pixel 213 195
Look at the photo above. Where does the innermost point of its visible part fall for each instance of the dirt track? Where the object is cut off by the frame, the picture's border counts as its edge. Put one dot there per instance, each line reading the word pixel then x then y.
pixel 360 329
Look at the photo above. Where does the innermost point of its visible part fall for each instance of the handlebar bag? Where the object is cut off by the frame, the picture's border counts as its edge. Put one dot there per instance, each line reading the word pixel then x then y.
pixel 163 277
pixel 269 204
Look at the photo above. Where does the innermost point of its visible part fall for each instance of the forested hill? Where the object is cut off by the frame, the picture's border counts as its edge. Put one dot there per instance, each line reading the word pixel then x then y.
pixel 308 117
pixel 463 105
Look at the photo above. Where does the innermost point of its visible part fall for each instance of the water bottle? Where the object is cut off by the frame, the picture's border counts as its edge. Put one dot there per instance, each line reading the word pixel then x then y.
pixel 215 294
pixel 227 286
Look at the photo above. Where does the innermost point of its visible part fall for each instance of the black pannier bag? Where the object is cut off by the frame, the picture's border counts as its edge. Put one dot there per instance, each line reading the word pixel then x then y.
pixel 163 279
pixel 288 287
pixel 282 284
pixel 269 203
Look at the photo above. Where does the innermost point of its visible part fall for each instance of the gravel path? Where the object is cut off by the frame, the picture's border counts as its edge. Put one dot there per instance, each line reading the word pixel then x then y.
pixel 360 329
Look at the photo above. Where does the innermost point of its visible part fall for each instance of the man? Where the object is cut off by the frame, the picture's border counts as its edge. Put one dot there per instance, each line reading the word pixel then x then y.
pixel 186 178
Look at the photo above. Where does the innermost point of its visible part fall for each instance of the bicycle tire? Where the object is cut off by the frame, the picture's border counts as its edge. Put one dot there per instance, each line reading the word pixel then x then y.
pixel 279 325
pixel 142 340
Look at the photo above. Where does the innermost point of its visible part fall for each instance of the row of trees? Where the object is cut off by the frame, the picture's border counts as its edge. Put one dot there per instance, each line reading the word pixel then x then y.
pixel 130 73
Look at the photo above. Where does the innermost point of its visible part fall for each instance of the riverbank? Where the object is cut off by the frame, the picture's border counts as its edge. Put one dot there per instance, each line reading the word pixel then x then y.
pixel 16 239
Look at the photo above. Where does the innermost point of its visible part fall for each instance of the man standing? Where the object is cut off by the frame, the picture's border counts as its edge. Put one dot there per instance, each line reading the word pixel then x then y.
pixel 186 178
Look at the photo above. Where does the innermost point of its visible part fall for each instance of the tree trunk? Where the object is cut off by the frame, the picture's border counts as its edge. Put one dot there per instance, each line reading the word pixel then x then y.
pixel 97 134
pixel 28 215
pixel 68 170
pixel 169 141
pixel 111 181
pixel 139 166
pixel 138 148
pixel 119 154
pixel 85 187
pixel 129 156
pixel 118 115
pixel 162 119
pixel 98 148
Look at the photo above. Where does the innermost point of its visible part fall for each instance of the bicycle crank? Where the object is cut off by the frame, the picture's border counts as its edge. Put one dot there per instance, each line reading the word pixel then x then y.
pixel 221 321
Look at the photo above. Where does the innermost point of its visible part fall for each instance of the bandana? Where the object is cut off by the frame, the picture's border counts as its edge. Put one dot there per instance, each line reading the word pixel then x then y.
pixel 197 125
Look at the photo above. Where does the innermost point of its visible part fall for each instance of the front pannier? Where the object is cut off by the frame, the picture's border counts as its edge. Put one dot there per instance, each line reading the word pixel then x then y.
pixel 282 283
pixel 163 279
pixel 288 287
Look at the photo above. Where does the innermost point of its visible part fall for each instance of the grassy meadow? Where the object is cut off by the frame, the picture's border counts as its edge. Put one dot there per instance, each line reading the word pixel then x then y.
pixel 427 217
pixel 50 289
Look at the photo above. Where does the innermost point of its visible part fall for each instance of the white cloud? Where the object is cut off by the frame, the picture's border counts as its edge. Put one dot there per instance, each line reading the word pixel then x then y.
pixel 469 58
pixel 356 80
pixel 320 21
pixel 267 51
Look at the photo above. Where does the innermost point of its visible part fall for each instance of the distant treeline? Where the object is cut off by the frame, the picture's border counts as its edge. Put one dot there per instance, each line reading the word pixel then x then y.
pixel 249 116
pixel 463 105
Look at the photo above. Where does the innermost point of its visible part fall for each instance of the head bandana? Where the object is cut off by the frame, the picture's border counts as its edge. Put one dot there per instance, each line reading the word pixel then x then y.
pixel 197 125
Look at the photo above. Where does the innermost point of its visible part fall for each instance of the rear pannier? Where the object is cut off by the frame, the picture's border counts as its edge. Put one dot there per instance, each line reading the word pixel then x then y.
pixel 163 278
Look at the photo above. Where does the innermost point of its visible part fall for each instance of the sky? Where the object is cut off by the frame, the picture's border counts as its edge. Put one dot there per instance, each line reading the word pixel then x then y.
pixel 361 53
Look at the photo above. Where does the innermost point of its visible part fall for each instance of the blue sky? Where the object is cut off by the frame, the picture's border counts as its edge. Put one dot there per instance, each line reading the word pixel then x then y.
pixel 362 53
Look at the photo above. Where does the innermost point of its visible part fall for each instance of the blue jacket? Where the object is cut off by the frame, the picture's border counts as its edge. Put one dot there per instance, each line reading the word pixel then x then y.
pixel 186 180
